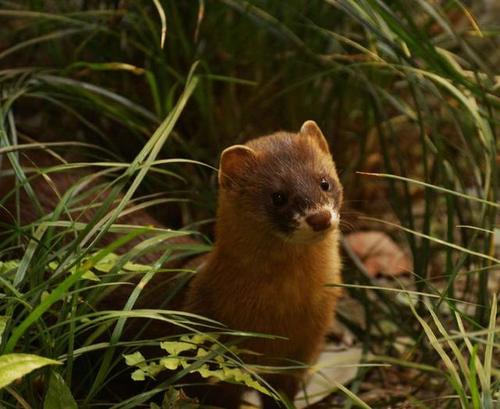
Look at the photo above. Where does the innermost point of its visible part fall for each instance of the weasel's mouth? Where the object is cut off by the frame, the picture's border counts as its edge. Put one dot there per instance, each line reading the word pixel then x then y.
pixel 313 226
pixel 308 235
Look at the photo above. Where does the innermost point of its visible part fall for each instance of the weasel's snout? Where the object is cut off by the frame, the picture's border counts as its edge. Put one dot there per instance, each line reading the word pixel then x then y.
pixel 319 221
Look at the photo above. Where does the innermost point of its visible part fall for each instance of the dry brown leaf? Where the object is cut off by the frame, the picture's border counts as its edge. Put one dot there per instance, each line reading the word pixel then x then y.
pixel 379 253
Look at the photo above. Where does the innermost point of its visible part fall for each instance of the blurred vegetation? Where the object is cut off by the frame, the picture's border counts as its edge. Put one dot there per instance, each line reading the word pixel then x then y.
pixel 406 92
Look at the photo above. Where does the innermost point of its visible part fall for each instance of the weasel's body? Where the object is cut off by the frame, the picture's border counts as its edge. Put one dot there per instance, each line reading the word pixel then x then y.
pixel 276 250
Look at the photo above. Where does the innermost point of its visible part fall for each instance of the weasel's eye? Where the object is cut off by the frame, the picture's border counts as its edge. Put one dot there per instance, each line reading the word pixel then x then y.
pixel 324 184
pixel 279 198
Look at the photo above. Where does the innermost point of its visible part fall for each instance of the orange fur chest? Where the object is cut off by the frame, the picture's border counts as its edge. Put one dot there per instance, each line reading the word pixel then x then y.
pixel 280 297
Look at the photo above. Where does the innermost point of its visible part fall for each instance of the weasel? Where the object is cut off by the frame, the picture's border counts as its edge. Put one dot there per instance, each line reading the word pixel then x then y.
pixel 276 249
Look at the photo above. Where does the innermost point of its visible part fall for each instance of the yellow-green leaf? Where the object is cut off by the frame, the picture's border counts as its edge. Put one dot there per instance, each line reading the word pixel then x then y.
pixel 3 325
pixel 138 375
pixel 15 366
pixel 134 359
pixel 8 265
pixel 176 347
pixel 107 263
pixel 170 363
pixel 131 266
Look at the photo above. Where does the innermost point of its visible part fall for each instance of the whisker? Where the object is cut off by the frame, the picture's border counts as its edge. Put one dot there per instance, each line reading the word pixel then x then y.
pixel 347 226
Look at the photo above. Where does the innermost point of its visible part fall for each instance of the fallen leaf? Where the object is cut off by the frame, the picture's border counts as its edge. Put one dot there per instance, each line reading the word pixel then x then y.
pixel 379 253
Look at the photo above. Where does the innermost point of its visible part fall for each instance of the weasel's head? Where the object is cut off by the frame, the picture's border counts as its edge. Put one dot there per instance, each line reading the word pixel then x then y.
pixel 284 184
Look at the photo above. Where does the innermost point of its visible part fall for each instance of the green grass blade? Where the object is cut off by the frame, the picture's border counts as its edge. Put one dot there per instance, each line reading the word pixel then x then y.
pixel 61 291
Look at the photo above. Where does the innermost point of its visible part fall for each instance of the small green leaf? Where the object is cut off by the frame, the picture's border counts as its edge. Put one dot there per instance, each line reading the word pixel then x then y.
pixel 58 394
pixel 138 375
pixel 3 325
pixel 176 347
pixel 107 263
pixel 199 339
pixel 135 267
pixel 134 359
pixel 205 371
pixel 153 369
pixel 89 275
pixel 143 368
pixel 15 366
pixel 9 265
pixel 202 338
pixel 170 363
pixel 201 352
pixel 44 295
pixel 220 359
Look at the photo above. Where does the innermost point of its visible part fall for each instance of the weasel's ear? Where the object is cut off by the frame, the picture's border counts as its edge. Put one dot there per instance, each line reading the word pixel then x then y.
pixel 234 162
pixel 311 128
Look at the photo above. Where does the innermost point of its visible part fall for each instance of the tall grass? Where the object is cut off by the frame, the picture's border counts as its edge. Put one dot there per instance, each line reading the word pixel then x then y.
pixel 150 90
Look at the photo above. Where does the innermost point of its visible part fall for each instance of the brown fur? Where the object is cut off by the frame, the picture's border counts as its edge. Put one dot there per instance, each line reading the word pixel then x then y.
pixel 254 281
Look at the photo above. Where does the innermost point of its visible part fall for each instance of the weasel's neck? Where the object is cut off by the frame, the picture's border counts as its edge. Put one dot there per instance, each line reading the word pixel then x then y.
pixel 244 245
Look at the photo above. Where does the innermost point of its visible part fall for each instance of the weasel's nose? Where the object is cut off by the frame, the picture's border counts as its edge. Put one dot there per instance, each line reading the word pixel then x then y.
pixel 320 220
